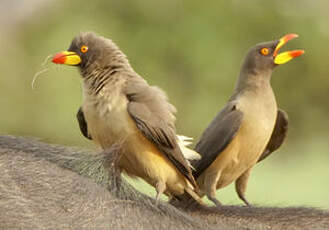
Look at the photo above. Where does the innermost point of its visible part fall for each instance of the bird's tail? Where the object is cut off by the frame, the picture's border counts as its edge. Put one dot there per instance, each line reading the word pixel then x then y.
pixel 191 193
pixel 188 153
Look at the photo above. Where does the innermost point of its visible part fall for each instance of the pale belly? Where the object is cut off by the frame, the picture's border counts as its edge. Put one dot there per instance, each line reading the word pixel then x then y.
pixel 140 157
pixel 244 151
pixel 144 160
pixel 242 154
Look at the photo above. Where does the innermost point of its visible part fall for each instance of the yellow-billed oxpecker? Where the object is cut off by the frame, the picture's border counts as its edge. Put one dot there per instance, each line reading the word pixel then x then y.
pixel 119 106
pixel 248 128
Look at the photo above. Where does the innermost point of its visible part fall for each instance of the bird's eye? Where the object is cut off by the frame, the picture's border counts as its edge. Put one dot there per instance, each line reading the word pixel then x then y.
pixel 84 49
pixel 264 51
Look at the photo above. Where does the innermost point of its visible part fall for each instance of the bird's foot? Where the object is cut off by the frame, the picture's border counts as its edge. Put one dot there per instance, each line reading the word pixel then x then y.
pixel 215 201
pixel 243 198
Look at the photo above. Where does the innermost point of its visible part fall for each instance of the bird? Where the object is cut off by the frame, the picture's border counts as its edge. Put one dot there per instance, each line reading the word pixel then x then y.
pixel 119 106
pixel 249 127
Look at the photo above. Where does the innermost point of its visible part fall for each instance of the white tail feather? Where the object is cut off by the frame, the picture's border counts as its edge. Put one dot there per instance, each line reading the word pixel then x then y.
pixel 188 153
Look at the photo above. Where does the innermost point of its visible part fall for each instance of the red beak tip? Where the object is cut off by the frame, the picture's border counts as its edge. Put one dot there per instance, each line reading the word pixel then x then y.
pixel 297 53
pixel 289 37
pixel 58 58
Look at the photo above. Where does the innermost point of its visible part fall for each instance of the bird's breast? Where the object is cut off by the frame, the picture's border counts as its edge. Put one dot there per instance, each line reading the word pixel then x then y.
pixel 259 113
pixel 107 117
pixel 259 116
pixel 110 123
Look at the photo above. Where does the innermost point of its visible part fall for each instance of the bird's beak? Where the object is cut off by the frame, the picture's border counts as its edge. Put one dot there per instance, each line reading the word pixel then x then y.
pixel 67 58
pixel 284 57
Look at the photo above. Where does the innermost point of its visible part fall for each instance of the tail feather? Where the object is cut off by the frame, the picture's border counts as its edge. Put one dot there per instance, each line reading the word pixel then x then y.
pixel 188 153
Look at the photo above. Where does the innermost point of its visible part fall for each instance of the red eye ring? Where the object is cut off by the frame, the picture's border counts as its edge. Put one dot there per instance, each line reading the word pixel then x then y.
pixel 84 49
pixel 264 51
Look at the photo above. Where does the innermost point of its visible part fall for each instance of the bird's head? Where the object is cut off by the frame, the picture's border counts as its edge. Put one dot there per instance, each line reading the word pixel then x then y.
pixel 87 51
pixel 265 56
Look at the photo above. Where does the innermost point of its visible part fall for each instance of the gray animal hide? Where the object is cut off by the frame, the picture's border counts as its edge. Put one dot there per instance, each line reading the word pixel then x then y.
pixel 45 186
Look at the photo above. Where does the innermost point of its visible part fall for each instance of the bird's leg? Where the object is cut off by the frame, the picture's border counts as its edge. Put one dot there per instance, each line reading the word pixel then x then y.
pixel 160 188
pixel 241 186
pixel 195 197
pixel 214 200
pixel 210 185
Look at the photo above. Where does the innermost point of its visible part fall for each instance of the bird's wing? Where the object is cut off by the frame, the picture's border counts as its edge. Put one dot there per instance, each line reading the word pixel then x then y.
pixel 278 135
pixel 83 124
pixel 154 117
pixel 217 136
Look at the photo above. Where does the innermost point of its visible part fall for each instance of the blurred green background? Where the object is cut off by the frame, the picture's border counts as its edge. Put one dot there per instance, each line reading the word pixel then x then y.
pixel 192 50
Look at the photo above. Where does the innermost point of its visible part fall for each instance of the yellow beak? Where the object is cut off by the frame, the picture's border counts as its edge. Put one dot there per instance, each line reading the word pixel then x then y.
pixel 288 55
pixel 67 58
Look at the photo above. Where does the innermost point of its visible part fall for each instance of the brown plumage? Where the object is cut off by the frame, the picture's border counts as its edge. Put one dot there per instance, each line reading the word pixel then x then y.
pixel 248 128
pixel 120 106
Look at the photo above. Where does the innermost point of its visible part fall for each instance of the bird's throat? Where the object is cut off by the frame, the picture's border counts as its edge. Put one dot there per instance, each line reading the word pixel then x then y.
pixel 252 81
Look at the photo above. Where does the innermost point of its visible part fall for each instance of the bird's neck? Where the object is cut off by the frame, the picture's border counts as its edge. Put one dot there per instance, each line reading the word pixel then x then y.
pixel 254 81
pixel 96 76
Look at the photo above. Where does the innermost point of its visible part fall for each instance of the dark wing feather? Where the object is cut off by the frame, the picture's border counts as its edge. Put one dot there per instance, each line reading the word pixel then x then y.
pixel 217 136
pixel 83 124
pixel 153 115
pixel 278 136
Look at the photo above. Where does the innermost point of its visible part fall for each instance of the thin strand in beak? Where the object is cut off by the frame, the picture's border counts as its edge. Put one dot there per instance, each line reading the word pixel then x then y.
pixel 43 64
pixel 46 60
pixel 37 75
